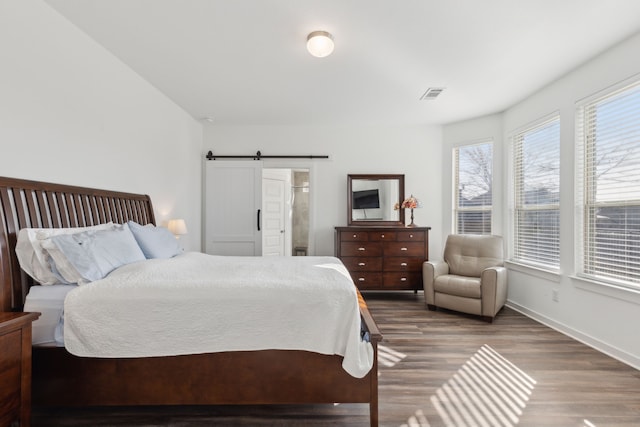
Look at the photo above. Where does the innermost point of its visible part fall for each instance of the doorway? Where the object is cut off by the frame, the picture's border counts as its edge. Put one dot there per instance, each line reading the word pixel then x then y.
pixel 286 211
pixel 300 212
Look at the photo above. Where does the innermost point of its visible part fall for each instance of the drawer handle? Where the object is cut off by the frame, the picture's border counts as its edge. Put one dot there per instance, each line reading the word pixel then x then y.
pixel 403 264
pixel 403 249
pixel 361 249
pixel 360 279
pixel 382 236
pixel 411 236
pixel 362 264
pixel 355 235
pixel 403 279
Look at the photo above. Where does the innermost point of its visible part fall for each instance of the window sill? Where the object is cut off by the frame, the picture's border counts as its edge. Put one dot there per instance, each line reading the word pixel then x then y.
pixel 551 275
pixel 607 289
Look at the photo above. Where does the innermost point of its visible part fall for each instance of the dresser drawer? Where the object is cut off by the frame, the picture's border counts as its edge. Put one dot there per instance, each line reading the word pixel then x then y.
pixel 402 264
pixel 411 236
pixel 364 249
pixel 402 280
pixel 365 279
pixel 354 236
pixel 382 236
pixel 413 249
pixel 362 263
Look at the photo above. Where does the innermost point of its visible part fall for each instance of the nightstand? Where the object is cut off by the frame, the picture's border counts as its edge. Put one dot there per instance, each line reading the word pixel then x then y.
pixel 15 368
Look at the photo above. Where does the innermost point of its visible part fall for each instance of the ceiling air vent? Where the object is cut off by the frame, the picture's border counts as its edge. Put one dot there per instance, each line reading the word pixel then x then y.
pixel 431 93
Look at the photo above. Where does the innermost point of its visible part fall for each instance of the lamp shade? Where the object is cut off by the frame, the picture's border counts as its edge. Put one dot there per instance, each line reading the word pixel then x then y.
pixel 177 227
pixel 320 43
pixel 411 203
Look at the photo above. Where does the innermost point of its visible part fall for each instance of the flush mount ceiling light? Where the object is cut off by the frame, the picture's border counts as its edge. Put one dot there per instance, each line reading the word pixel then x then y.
pixel 320 43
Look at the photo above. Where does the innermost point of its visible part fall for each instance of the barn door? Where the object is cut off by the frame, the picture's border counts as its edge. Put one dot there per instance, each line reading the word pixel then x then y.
pixel 233 207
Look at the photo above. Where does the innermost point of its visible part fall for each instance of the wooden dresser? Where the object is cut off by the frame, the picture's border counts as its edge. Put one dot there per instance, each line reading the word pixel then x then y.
pixel 384 258
pixel 15 368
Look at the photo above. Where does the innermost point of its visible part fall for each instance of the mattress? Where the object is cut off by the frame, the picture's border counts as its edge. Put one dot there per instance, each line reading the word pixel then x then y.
pixel 48 329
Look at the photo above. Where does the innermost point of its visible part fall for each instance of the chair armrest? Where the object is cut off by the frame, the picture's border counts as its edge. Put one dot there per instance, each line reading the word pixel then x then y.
pixel 431 270
pixel 493 288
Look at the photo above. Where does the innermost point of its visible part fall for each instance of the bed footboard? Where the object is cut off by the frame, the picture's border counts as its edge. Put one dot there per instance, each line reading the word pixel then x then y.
pixel 260 377
pixel 245 377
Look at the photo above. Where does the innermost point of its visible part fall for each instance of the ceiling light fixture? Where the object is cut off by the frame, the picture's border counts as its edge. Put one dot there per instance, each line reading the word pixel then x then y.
pixel 320 43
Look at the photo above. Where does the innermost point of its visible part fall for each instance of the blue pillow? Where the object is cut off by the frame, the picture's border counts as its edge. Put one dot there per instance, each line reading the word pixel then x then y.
pixel 91 255
pixel 155 242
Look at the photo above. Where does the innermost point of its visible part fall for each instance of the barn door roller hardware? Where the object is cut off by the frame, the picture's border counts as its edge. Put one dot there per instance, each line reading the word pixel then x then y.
pixel 259 156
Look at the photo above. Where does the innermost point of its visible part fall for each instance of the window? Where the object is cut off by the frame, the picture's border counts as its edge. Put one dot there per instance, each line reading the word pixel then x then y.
pixel 473 167
pixel 608 175
pixel 536 194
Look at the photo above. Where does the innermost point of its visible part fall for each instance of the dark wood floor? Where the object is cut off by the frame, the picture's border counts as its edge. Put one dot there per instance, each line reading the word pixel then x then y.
pixel 438 369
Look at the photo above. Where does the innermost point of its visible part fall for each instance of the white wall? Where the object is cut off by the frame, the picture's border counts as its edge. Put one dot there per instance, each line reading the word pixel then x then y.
pixel 72 113
pixel 414 151
pixel 601 316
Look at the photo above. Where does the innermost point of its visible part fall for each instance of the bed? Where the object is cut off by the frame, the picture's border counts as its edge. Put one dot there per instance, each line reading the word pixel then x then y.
pixel 226 377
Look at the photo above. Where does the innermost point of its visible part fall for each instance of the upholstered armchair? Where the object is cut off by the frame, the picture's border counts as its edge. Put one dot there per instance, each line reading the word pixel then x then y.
pixel 471 279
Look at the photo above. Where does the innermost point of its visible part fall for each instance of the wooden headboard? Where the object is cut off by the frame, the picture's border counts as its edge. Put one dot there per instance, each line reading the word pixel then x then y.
pixel 33 204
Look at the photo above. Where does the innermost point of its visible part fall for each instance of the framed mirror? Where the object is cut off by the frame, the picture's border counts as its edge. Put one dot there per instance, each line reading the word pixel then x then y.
pixel 372 198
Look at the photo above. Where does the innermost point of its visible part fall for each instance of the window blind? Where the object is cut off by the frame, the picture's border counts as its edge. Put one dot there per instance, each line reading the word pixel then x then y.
pixel 608 181
pixel 473 174
pixel 536 194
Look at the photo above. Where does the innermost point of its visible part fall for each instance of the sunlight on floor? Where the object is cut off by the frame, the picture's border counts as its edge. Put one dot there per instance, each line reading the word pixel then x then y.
pixel 588 423
pixel 417 420
pixel 389 357
pixel 487 391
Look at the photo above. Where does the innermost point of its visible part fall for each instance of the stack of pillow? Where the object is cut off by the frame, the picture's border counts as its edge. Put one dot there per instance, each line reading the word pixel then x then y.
pixel 85 254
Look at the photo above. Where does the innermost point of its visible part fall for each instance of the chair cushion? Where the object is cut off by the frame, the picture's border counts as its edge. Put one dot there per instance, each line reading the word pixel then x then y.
pixel 468 254
pixel 462 286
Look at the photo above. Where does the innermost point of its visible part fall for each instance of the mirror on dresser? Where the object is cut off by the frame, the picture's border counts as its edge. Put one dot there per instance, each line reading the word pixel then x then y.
pixel 372 198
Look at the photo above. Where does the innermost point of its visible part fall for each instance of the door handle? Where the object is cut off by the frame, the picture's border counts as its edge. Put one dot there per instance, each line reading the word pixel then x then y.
pixel 258 219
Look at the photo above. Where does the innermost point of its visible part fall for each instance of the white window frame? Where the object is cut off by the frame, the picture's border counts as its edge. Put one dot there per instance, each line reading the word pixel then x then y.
pixel 587 260
pixel 517 205
pixel 456 208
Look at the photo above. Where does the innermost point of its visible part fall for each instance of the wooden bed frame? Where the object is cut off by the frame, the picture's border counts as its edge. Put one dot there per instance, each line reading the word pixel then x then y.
pixel 245 377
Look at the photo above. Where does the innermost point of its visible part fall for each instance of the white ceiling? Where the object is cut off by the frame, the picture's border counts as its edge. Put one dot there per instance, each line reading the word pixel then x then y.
pixel 244 62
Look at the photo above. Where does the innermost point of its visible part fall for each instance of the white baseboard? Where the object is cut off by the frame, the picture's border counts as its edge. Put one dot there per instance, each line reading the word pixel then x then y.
pixel 616 353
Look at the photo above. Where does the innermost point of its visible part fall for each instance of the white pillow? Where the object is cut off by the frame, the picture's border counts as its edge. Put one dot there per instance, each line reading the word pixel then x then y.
pixel 155 242
pixel 32 257
pixel 91 255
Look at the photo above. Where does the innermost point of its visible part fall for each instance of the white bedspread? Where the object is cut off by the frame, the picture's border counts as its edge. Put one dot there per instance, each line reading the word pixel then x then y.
pixel 198 303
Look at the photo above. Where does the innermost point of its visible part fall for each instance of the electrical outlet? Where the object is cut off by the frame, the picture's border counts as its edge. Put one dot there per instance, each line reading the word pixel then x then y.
pixel 555 295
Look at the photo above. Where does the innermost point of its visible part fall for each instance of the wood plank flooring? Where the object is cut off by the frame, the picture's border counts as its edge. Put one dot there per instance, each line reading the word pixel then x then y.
pixel 437 369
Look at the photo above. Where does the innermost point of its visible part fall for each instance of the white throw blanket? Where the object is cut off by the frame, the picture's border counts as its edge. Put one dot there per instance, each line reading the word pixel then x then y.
pixel 197 303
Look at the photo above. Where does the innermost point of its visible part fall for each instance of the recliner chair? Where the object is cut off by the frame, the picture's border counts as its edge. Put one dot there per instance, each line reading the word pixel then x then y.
pixel 471 279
